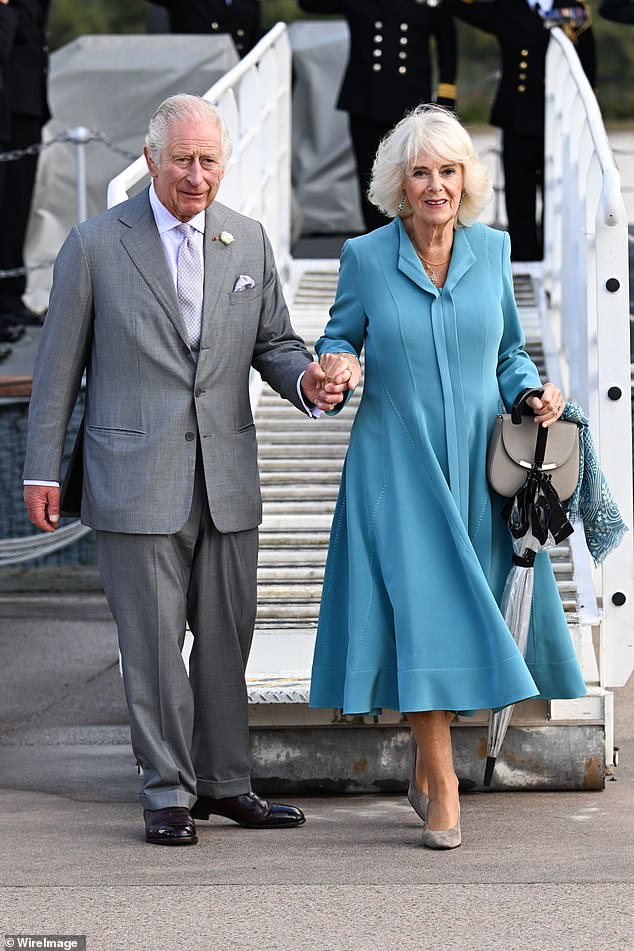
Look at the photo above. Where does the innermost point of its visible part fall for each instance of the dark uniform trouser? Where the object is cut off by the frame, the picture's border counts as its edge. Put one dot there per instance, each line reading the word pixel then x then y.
pixel 523 159
pixel 366 135
pixel 17 181
pixel 190 734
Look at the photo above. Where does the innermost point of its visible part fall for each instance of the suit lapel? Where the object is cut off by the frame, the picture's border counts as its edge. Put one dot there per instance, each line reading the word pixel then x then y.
pixel 143 243
pixel 218 258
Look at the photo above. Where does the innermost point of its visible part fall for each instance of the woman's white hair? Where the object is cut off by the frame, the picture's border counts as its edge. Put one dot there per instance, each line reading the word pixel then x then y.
pixel 179 108
pixel 435 131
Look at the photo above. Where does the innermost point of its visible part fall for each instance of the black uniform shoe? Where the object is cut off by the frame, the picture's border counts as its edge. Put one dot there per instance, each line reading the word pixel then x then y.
pixel 9 331
pixel 171 826
pixel 23 317
pixel 249 811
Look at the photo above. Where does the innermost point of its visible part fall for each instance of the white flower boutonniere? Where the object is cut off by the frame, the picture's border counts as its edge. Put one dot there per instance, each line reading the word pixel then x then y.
pixel 226 237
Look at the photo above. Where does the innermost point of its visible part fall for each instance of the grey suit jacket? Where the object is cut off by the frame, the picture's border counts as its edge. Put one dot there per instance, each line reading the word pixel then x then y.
pixel 114 312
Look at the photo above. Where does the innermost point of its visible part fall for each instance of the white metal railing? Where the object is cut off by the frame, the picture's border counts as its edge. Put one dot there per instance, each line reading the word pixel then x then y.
pixel 254 98
pixel 586 279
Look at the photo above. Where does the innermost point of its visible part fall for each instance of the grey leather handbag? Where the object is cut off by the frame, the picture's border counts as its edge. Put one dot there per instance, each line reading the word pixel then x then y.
pixel 517 444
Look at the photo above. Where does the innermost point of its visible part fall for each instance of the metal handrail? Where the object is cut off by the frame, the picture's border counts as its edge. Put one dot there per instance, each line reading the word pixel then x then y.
pixel 257 180
pixel 585 275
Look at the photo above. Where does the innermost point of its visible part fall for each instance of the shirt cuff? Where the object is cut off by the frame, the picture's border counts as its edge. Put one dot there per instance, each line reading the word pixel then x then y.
pixel 312 411
pixel 40 482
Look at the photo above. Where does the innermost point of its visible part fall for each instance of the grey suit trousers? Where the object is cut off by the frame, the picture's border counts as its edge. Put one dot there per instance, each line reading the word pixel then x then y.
pixel 189 733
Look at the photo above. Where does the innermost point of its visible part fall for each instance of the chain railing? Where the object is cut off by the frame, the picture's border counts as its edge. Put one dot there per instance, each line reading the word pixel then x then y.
pixel 80 137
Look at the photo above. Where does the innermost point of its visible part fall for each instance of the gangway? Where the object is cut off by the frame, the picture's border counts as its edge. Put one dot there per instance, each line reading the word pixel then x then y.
pixel 557 744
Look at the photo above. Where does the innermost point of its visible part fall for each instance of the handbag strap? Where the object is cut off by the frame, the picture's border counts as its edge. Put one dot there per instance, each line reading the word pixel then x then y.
pixel 520 407
pixel 540 446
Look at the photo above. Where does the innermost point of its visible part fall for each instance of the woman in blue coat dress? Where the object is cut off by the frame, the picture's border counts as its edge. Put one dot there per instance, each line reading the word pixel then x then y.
pixel 410 616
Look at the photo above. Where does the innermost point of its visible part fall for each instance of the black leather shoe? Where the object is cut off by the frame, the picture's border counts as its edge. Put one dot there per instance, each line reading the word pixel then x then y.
pixel 171 826
pixel 10 332
pixel 249 811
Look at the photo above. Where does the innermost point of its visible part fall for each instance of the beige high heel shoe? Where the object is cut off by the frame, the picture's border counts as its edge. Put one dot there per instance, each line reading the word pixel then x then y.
pixel 442 838
pixel 417 799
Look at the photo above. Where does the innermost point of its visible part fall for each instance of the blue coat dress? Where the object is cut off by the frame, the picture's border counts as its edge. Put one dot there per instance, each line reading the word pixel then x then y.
pixel 419 553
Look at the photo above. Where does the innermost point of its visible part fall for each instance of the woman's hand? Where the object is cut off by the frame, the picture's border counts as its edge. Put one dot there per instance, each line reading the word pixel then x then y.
pixel 341 368
pixel 549 407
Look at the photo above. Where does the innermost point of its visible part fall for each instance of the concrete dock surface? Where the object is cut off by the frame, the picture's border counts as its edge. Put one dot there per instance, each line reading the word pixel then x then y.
pixel 536 871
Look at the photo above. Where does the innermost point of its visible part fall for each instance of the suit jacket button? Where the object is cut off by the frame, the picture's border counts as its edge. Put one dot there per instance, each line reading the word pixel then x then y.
pixel 190 437
pixel 198 391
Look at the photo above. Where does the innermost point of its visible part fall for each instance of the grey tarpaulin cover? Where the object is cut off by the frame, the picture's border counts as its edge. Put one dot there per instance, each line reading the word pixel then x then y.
pixel 111 84
pixel 324 171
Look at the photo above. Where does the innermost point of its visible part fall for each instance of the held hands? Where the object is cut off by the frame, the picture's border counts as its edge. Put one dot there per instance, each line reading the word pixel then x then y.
pixel 325 383
pixel 42 504
pixel 549 407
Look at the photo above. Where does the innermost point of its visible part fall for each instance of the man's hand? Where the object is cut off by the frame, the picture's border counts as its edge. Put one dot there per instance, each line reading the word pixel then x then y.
pixel 323 392
pixel 42 504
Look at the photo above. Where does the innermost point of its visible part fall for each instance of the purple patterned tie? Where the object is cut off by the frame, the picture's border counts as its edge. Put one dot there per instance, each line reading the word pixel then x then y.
pixel 189 284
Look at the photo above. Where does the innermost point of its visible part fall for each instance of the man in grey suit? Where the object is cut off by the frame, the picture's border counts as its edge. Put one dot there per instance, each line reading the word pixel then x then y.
pixel 166 301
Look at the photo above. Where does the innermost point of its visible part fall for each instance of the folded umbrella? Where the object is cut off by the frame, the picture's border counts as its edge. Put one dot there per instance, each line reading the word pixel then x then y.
pixel 537 521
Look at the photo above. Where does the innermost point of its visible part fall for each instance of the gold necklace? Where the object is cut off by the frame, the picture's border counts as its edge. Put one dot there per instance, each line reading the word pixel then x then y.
pixel 431 268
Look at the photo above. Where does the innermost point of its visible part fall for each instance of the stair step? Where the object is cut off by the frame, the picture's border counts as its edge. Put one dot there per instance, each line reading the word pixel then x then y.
pixel 272 557
pixel 296 574
pixel 288 438
pixel 289 592
pixel 290 610
pixel 303 507
pixel 310 492
pixel 294 539
pixel 290 479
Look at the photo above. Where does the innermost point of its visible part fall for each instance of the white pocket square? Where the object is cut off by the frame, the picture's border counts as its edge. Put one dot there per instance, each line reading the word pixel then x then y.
pixel 243 283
